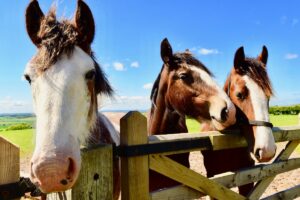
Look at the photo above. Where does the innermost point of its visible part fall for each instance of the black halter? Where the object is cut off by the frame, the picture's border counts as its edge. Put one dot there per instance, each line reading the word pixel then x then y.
pixel 250 122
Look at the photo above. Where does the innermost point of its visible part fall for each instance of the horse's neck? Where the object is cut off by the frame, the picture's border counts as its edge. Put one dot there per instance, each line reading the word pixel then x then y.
pixel 104 132
pixel 164 121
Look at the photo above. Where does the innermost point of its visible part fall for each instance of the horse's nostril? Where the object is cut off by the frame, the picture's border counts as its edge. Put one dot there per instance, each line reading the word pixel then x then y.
pixel 64 182
pixel 257 153
pixel 71 168
pixel 224 114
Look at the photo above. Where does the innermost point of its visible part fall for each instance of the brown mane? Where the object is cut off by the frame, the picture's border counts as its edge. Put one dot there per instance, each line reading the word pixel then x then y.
pixel 59 38
pixel 256 70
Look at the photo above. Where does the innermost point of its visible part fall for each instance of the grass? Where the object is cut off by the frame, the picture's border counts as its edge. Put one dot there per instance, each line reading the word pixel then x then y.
pixel 22 138
pixel 284 120
pixel 6 121
pixel 193 126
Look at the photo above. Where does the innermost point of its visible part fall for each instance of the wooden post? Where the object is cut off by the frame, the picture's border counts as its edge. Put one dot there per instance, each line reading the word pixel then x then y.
pixel 134 170
pixel 95 180
pixel 9 162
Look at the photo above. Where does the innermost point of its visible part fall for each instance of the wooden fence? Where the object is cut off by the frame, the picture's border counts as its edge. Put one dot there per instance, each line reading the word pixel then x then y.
pixel 96 179
pixel 135 169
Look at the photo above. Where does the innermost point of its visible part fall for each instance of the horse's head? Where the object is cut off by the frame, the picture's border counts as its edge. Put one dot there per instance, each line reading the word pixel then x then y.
pixel 189 89
pixel 249 88
pixel 65 81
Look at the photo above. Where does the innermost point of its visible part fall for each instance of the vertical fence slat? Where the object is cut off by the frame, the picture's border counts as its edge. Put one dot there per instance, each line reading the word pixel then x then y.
pixel 9 162
pixel 95 180
pixel 134 170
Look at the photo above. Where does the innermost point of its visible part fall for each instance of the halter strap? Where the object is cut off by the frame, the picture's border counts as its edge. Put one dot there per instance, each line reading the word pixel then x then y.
pixel 251 122
pixel 259 123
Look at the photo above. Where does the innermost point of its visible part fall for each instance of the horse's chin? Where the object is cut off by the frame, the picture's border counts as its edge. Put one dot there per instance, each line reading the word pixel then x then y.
pixel 219 126
pixel 230 120
pixel 223 125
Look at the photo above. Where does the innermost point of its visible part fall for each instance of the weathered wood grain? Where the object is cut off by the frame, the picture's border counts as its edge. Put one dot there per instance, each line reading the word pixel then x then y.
pixel 134 170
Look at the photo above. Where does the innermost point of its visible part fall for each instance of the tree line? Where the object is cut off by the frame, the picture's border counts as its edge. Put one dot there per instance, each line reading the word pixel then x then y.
pixel 285 110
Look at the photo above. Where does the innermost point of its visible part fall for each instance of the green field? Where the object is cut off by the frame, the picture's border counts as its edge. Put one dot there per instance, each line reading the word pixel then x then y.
pixel 25 138
pixel 277 120
pixel 7 121
pixel 22 138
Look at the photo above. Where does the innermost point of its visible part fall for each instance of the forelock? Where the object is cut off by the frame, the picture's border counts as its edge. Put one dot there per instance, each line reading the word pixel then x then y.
pixel 58 37
pixel 189 59
pixel 257 71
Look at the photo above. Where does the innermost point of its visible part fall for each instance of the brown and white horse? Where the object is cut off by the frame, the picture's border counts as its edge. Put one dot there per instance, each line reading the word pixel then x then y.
pixel 184 87
pixel 65 80
pixel 249 88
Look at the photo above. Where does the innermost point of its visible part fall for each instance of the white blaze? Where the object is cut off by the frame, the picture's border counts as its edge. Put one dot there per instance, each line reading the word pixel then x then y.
pixel 220 100
pixel 264 137
pixel 61 103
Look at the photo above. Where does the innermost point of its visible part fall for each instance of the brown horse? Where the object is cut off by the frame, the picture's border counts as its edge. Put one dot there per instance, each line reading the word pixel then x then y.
pixel 65 80
pixel 184 87
pixel 249 88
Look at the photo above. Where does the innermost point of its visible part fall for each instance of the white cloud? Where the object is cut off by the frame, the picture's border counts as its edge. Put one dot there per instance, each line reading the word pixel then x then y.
pixel 290 56
pixel 10 105
pixel 204 51
pixel 289 21
pixel 148 86
pixel 135 64
pixel 119 66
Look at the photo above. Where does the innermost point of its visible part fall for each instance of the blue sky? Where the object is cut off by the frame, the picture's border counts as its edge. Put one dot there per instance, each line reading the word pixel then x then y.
pixel 128 36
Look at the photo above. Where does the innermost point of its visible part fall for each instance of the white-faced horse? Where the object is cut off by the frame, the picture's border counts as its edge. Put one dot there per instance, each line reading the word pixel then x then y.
pixel 65 80
pixel 249 88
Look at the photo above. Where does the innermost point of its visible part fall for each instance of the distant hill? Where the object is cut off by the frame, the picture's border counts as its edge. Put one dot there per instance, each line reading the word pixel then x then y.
pixel 17 115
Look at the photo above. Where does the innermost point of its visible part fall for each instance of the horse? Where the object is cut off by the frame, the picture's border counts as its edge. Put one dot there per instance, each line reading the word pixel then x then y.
pixel 184 87
pixel 65 80
pixel 249 88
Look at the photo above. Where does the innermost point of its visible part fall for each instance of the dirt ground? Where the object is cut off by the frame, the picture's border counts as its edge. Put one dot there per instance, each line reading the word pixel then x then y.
pixel 281 182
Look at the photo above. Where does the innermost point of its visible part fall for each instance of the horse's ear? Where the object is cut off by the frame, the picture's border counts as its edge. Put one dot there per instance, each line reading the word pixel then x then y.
pixel 85 25
pixel 34 16
pixel 239 59
pixel 166 52
pixel 263 57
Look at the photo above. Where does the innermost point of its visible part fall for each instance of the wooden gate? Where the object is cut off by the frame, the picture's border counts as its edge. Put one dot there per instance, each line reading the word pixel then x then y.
pixel 135 169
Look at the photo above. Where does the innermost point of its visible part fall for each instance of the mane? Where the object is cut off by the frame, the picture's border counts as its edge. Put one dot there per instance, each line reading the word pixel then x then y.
pixel 256 70
pixel 188 58
pixel 60 38
pixel 183 57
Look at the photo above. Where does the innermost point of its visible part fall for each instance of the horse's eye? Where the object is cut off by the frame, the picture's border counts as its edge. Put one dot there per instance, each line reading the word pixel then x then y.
pixel 183 76
pixel 27 77
pixel 240 96
pixel 90 75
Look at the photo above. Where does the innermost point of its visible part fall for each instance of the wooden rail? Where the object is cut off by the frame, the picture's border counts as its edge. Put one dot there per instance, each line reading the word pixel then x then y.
pixel 195 185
